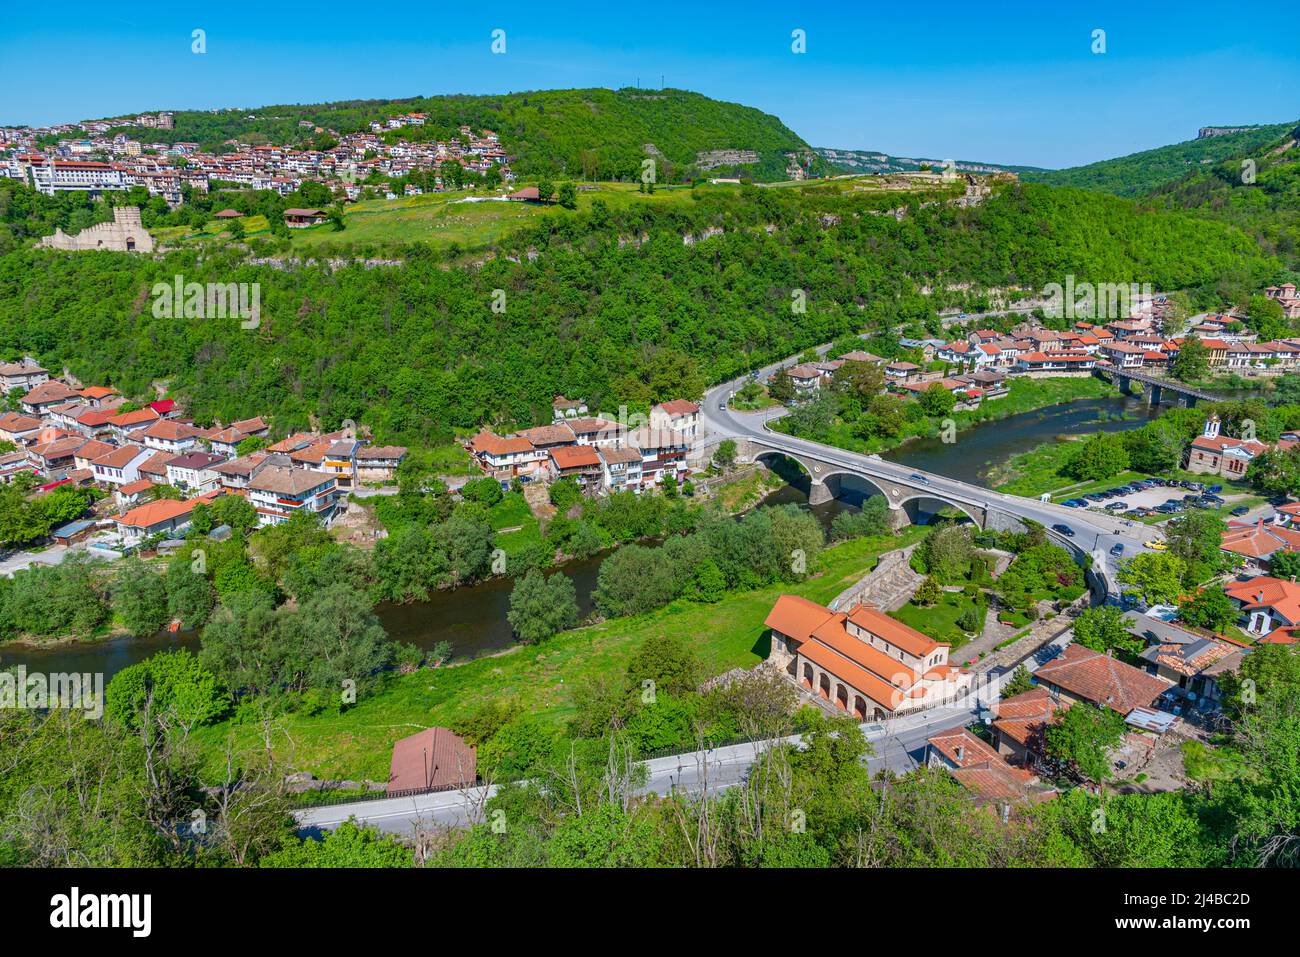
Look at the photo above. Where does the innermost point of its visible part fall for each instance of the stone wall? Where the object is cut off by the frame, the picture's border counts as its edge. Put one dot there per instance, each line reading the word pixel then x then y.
pixel 125 234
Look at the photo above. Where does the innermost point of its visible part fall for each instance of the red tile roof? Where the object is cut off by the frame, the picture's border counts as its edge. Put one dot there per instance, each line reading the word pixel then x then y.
pixel 1103 680
pixel 435 757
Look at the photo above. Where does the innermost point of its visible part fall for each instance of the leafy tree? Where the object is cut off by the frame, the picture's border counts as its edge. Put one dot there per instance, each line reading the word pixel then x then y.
pixel 1100 457
pixel 173 684
pixel 1156 576
pixel 724 456
pixel 139 597
pixel 567 196
pixel 1105 628
pixel 348 845
pixel 540 606
pixel 928 592
pixel 1196 539
pixel 1192 363
pixel 1081 736
pixel 937 401
pixel 1209 608
pixel 1019 682
pixel 486 491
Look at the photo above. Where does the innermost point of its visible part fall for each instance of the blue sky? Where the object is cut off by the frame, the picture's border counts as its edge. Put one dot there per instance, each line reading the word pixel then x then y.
pixel 1001 82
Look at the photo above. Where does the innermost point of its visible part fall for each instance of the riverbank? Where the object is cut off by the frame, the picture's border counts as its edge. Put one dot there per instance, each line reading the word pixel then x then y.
pixel 1024 395
pixel 539 680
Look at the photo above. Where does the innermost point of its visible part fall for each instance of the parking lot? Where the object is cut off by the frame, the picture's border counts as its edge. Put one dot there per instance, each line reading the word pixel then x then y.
pixel 1150 499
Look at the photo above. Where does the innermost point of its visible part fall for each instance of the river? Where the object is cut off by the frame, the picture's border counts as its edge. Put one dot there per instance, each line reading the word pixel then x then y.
pixel 473 619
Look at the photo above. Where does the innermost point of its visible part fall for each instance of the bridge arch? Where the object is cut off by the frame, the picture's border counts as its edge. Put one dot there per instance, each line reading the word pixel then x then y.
pixel 779 462
pixel 913 510
pixel 853 487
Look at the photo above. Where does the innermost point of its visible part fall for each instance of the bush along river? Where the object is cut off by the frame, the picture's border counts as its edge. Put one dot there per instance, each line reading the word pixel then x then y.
pixel 473 618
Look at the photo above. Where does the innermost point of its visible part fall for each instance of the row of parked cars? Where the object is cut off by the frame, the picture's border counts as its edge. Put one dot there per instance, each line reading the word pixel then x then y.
pixel 1198 495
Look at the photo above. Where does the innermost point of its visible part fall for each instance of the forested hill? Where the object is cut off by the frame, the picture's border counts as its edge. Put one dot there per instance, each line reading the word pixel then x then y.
pixel 415 350
pixel 1140 173
pixel 591 134
pixel 1262 197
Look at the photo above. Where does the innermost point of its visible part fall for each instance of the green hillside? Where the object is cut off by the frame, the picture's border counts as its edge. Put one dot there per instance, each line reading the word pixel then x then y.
pixel 596 134
pixel 1141 173
pixel 1266 204
pixel 416 350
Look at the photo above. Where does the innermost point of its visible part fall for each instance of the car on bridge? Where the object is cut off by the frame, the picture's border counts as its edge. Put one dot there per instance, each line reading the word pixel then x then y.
pixel 918 477
pixel 1065 530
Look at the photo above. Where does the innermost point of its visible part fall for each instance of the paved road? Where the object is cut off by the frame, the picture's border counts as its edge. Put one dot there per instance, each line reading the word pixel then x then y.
pixel 898 744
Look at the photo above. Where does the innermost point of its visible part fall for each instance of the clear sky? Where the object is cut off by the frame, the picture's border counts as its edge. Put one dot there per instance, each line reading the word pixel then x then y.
pixel 1000 82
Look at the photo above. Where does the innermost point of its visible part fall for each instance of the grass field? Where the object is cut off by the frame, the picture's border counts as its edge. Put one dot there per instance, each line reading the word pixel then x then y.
pixel 539 678
pixel 470 219
pixel 939 621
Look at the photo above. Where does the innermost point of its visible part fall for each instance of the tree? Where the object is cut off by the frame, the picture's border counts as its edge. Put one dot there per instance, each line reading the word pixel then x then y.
pixel 486 491
pixel 1105 629
pixel 724 456
pixel 937 400
pixel 1276 471
pixel 780 386
pixel 139 597
pixel 568 196
pixel 1196 539
pixel 348 845
pixel 884 417
pixel 1284 565
pixel 1210 608
pixel 545 190
pixel 1020 682
pixel 1156 576
pixel 946 553
pixel 540 606
pixel 1080 737
pixel 1100 457
pixel 928 592
pixel 1192 363
pixel 172 684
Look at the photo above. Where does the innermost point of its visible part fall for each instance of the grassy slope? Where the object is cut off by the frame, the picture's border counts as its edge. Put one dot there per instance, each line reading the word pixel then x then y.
pixel 1140 173
pixel 726 635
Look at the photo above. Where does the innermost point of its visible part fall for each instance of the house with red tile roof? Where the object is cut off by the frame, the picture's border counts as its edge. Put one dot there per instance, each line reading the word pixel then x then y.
pixel 1021 722
pixel 681 416
pixel 1082 674
pixel 45 395
pixel 1270 607
pixel 431 759
pixel 579 462
pixel 861 662
pixel 164 516
pixel 1257 543
pixel 981 770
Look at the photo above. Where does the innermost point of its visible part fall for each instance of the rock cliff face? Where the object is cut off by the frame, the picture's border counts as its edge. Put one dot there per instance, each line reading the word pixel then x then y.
pixel 711 159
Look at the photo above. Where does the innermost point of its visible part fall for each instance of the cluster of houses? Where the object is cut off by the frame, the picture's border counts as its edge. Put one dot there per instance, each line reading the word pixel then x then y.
pixel 68 434
pixel 89 158
pixel 599 454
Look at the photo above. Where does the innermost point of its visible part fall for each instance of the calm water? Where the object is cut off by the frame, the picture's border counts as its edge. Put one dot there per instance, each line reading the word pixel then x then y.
pixel 473 619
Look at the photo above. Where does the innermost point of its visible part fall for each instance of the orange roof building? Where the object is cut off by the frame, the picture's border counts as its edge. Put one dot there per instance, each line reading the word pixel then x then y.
pixel 862 661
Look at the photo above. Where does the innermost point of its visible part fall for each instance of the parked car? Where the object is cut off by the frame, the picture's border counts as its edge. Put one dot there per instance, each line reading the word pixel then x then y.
pixel 1117 550
pixel 1155 545
pixel 1065 530
pixel 1215 488
pixel 1116 505
pixel 1074 503
pixel 1240 510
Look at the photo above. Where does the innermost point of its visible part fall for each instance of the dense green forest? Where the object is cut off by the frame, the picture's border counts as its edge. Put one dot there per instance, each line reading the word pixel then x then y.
pixel 416 350
pixel 1259 191
pixel 1140 173
pixel 593 134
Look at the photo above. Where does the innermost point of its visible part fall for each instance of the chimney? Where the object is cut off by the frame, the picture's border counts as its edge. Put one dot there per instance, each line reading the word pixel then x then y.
pixel 961 752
